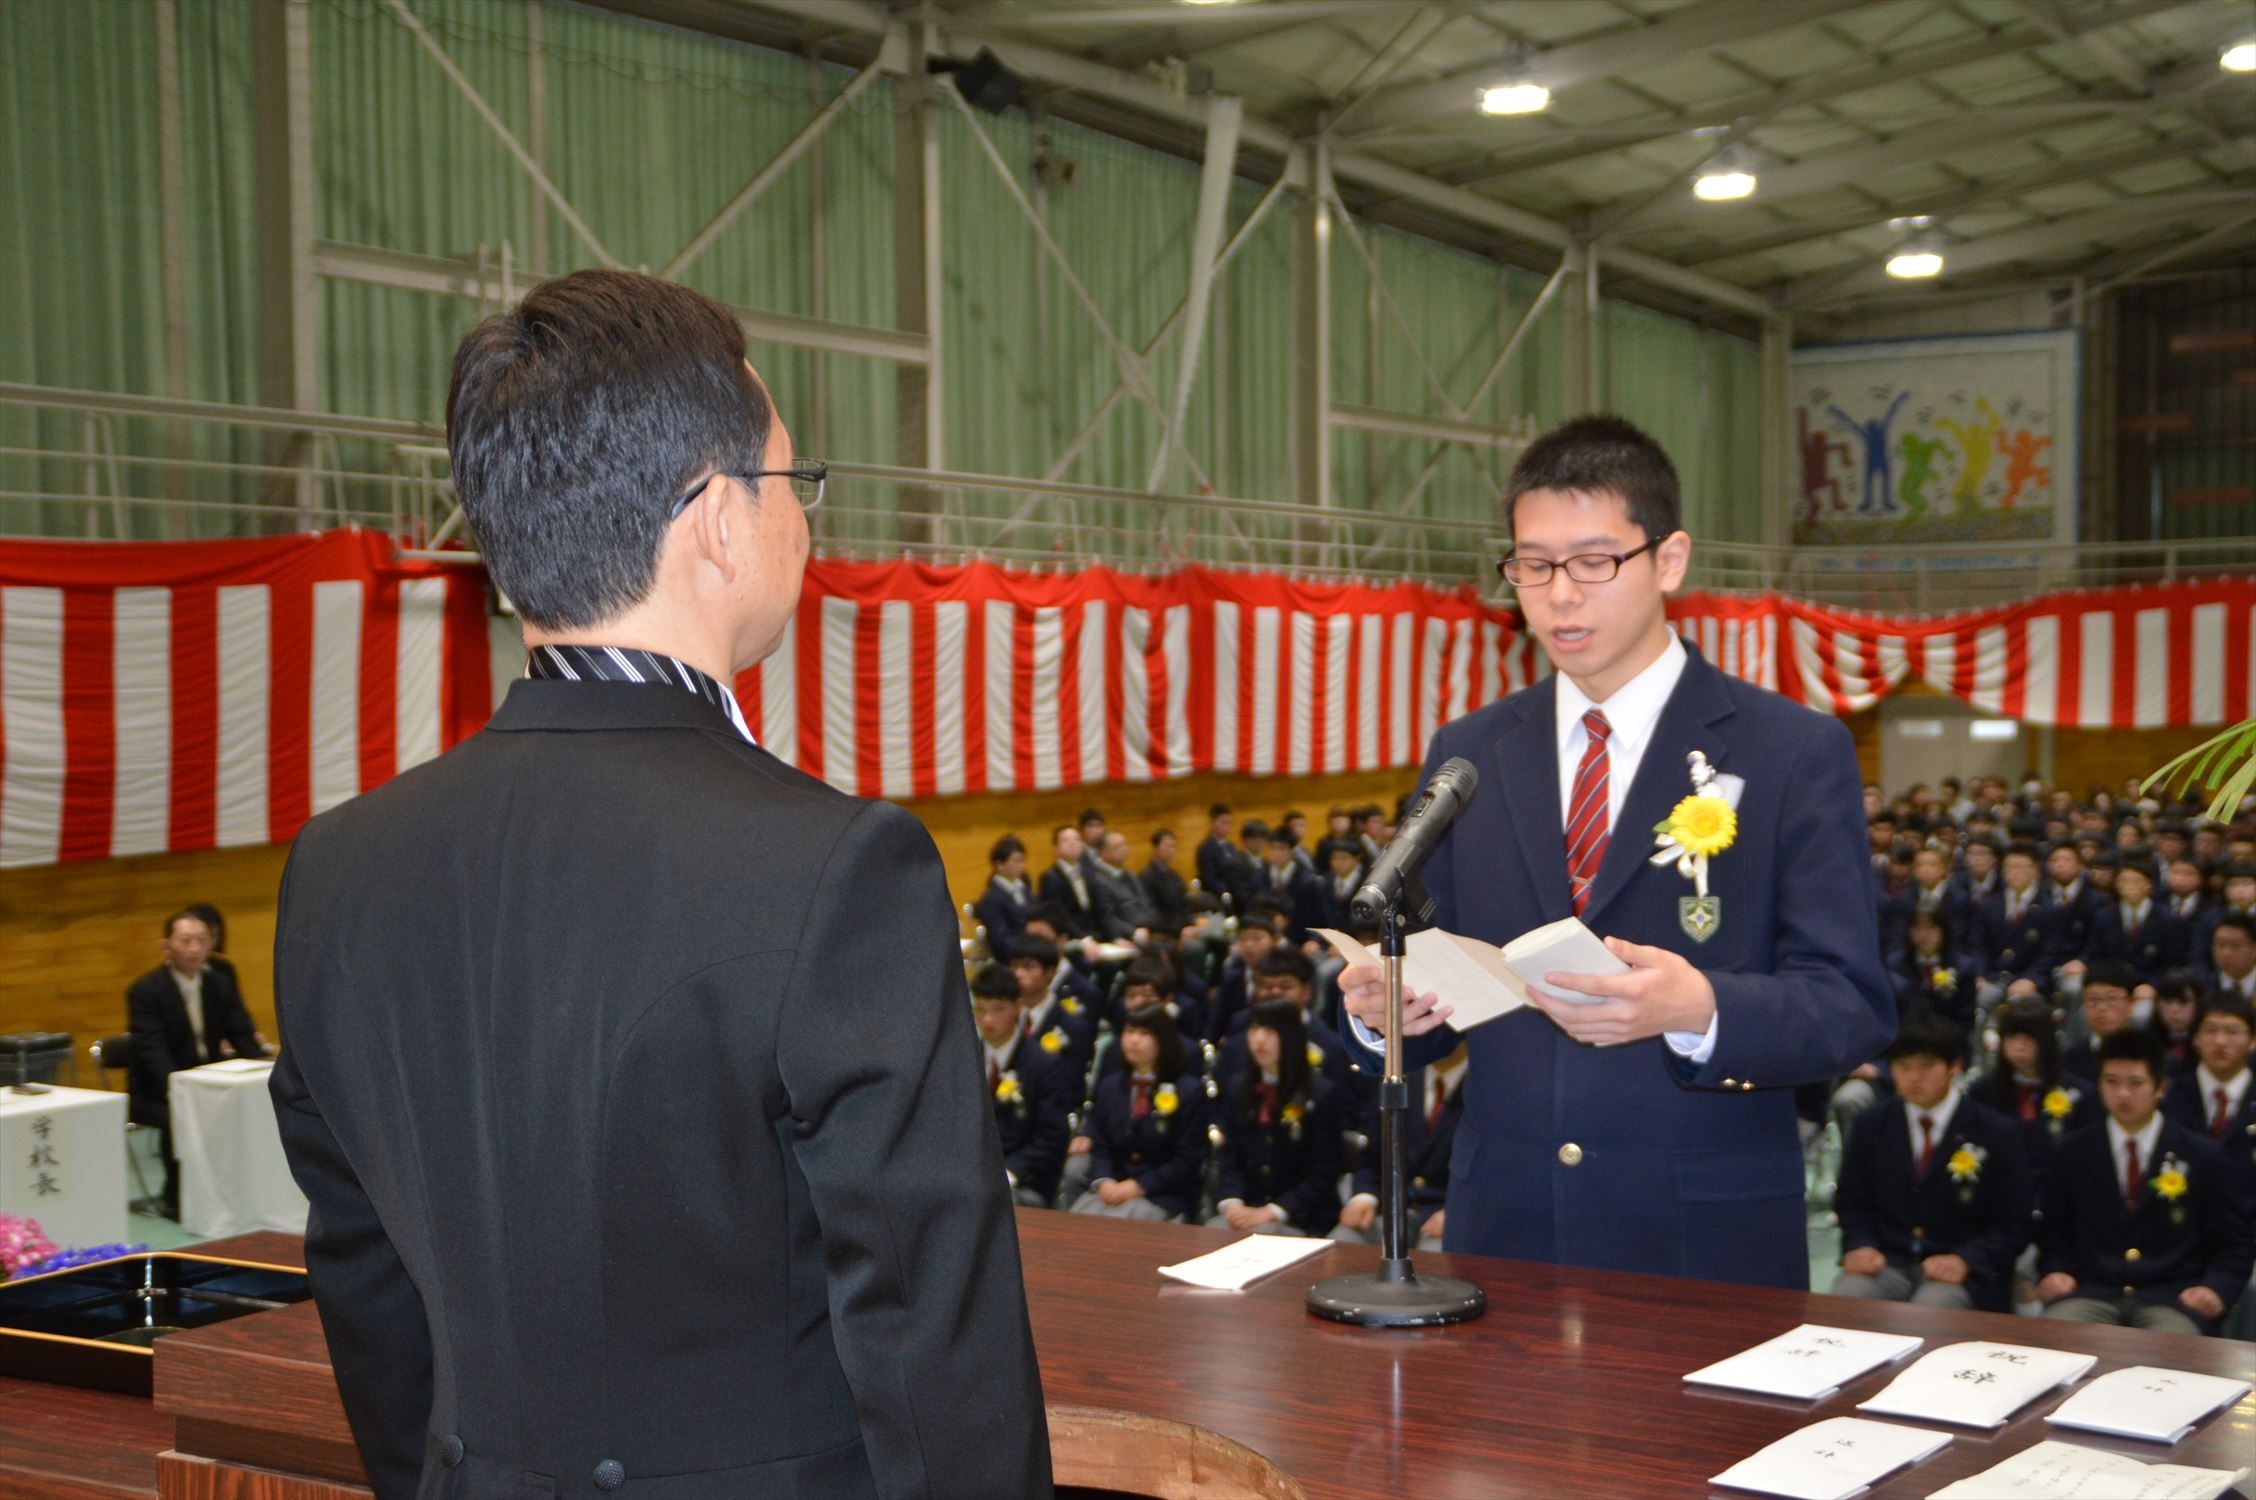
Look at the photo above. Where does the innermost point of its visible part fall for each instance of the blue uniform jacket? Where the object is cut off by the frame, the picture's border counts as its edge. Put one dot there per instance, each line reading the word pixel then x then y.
pixel 1630 1158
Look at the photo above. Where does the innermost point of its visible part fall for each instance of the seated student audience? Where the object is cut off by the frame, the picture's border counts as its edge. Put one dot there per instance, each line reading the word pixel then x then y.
pixel 1931 891
pixel 2028 1084
pixel 1931 972
pixel 1438 1102
pixel 1935 1191
pixel 1002 907
pixel 1076 980
pixel 1066 884
pixel 1281 1127
pixel 2231 893
pixel 2187 899
pixel 1300 892
pixel 1147 1127
pixel 1152 982
pixel 181 1014
pixel 2136 930
pixel 1056 1023
pixel 1233 989
pixel 2232 954
pixel 2144 1223
pixel 2074 904
pixel 2107 1011
pixel 1286 975
pixel 2018 927
pixel 1033 1091
pixel 2214 1099
pixel 1222 868
pixel 2175 1001
pixel 1342 878
pixel 1163 887
pixel 1125 913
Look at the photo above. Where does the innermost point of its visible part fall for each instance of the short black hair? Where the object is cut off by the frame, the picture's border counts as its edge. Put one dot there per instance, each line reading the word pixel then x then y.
pixel 1219 810
pixel 2110 972
pixel 1006 846
pixel 577 418
pixel 1156 972
pixel 185 914
pixel 2226 1003
pixel 211 918
pixel 1926 1034
pixel 1287 961
pixel 1173 1061
pixel 1602 454
pixel 1251 829
pixel 1272 906
pixel 1161 833
pixel 1039 949
pixel 994 982
pixel 1090 815
pixel 2236 921
pixel 1047 911
pixel 2134 1045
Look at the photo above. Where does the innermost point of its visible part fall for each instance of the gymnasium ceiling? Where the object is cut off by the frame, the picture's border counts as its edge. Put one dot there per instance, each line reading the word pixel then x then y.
pixel 2045 139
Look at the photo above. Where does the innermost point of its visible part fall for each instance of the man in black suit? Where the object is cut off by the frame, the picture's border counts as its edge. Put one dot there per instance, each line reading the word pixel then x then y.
pixel 1066 885
pixel 1935 1193
pixel 183 1013
pixel 2144 1223
pixel 1126 914
pixel 630 1072
pixel 1163 887
pixel 1223 871
pixel 1001 908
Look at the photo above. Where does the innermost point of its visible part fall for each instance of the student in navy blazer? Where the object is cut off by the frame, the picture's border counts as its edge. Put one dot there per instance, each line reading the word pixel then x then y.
pixel 1281 1123
pixel 1936 1218
pixel 2217 1096
pixel 1147 1128
pixel 1003 906
pixel 1033 1093
pixel 1653 1130
pixel 2169 1250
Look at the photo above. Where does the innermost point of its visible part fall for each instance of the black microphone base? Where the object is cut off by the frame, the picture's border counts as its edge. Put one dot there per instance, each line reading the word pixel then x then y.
pixel 1395 1296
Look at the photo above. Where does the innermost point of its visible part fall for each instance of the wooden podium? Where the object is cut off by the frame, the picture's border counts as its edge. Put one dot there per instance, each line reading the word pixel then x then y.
pixel 1571 1385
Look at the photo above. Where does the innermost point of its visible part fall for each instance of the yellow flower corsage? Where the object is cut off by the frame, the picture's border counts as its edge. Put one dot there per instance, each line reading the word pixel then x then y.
pixel 2170 1182
pixel 1007 1090
pixel 1292 1114
pixel 1069 1005
pixel 2059 1104
pixel 1164 1099
pixel 1053 1040
pixel 1698 828
pixel 1965 1164
pixel 1315 1055
pixel 1944 980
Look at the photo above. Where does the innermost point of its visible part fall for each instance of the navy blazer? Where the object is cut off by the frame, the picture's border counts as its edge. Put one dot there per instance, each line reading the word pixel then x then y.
pixel 1944 986
pixel 1003 914
pixel 1164 1152
pixel 1225 873
pixel 1294 1164
pixel 2159 947
pixel 1069 1037
pixel 2019 950
pixel 1334 1058
pixel 2071 921
pixel 1033 1125
pixel 2043 1123
pixel 2183 1103
pixel 1985 1219
pixel 1678 1169
pixel 1430 1146
pixel 2161 1248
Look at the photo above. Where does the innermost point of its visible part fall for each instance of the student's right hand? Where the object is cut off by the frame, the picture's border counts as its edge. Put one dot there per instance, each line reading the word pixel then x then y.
pixel 1078 1146
pixel 1864 1261
pixel 2056 1286
pixel 1360 1212
pixel 1363 992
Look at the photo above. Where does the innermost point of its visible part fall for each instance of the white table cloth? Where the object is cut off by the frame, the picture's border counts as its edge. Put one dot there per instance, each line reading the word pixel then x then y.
pixel 62 1162
pixel 232 1175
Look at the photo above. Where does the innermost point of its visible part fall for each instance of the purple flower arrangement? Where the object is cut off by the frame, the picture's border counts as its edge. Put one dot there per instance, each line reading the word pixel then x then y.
pixel 25 1250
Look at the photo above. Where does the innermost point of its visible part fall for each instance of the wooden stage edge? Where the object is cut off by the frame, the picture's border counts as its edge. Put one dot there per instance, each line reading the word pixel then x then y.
pixel 1570 1386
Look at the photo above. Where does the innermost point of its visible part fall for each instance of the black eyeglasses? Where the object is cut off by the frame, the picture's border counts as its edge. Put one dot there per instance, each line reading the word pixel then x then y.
pixel 1587 567
pixel 807 475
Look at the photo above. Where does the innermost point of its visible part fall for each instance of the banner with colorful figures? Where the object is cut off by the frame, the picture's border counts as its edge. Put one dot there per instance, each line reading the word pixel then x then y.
pixel 1936 440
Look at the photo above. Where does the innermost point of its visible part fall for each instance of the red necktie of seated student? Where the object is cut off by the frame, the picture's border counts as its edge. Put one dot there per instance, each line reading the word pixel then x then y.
pixel 1588 812
pixel 1926 1143
pixel 1139 1103
pixel 2134 1187
pixel 2222 1120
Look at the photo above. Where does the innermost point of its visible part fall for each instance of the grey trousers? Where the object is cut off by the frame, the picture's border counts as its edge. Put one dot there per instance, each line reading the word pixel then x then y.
pixel 1134 1208
pixel 1903 1284
pixel 2124 1312
pixel 1418 1217
pixel 1272 1227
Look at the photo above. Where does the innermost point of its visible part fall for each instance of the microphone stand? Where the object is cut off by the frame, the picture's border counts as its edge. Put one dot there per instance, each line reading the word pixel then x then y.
pixel 1396 1296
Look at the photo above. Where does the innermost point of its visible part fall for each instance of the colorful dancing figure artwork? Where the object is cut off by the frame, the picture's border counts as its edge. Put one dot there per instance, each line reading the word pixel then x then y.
pixel 1975 440
pixel 1873 434
pixel 1819 482
pixel 1919 471
pixel 2021 467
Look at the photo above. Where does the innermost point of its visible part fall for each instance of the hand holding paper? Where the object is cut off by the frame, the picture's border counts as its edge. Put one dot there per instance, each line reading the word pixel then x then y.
pixel 1466 982
pixel 1655 991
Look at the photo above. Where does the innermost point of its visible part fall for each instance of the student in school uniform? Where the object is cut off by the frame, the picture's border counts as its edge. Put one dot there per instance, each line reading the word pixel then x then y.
pixel 1931 971
pixel 1438 1103
pixel 1150 982
pixel 2107 1008
pixel 2144 1224
pixel 1032 1091
pixel 2029 1086
pixel 1287 975
pixel 1935 1192
pixel 1281 1125
pixel 1077 977
pixel 2176 998
pixel 1001 909
pixel 1147 1128
pixel 2019 928
pixel 2215 1099
pixel 2136 929
pixel 1057 1024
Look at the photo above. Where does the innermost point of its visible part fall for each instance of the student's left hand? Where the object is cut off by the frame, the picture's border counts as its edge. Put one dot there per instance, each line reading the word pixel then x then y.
pixel 1950 1270
pixel 1245 1220
pixel 1661 992
pixel 2202 1300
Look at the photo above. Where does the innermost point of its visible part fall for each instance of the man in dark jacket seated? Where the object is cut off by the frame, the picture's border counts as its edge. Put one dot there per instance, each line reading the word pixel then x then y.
pixel 2144 1222
pixel 1033 1092
pixel 1935 1191
pixel 183 1013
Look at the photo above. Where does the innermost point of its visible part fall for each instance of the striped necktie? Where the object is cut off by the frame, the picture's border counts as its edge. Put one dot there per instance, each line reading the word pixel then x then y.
pixel 1587 813
pixel 631 664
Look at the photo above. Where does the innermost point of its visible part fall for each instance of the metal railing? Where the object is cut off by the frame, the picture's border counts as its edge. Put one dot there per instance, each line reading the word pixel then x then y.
pixel 141 466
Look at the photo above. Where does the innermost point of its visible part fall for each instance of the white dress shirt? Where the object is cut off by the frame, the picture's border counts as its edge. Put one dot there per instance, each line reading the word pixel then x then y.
pixel 1940 1114
pixel 192 996
pixel 2209 1083
pixel 2117 1135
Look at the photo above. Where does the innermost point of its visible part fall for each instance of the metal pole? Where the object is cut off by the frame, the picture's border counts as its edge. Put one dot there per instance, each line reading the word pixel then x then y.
pixel 1222 120
pixel 173 253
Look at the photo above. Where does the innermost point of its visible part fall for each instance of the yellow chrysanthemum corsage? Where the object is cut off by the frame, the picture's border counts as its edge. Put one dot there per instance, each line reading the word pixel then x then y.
pixel 1165 1100
pixel 2170 1182
pixel 1315 1055
pixel 1069 1005
pixel 1007 1090
pixel 1053 1040
pixel 2059 1104
pixel 1293 1113
pixel 1698 828
pixel 1965 1164
pixel 1943 980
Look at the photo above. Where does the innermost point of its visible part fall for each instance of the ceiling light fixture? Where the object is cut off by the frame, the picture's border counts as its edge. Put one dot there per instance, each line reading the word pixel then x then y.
pixel 1915 263
pixel 1518 93
pixel 2240 57
pixel 1729 177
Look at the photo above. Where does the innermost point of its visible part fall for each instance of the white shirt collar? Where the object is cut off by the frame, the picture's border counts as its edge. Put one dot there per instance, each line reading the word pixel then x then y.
pixel 2146 1138
pixel 1633 711
pixel 1000 1056
pixel 1940 1114
pixel 2209 1083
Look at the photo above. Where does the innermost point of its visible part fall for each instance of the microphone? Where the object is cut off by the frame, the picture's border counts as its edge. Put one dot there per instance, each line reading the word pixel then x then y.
pixel 1395 876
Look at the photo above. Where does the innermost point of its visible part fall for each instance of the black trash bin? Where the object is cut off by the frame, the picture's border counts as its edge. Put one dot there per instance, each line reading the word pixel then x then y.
pixel 37 1057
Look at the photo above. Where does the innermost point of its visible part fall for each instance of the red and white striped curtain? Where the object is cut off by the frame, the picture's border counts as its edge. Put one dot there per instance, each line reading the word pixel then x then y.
pixel 186 695
pixel 191 695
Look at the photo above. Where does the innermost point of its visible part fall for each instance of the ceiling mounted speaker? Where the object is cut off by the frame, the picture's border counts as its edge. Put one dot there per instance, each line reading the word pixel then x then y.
pixel 986 85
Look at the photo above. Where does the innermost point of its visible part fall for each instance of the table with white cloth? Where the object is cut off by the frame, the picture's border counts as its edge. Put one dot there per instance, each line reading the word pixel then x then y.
pixel 62 1162
pixel 233 1178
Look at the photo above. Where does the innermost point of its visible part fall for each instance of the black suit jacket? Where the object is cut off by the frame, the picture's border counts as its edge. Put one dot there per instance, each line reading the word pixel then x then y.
pixel 1225 873
pixel 2161 1248
pixel 164 1042
pixel 2159 946
pixel 1082 918
pixel 1983 1217
pixel 2023 949
pixel 631 1140
pixel 999 910
pixel 1169 897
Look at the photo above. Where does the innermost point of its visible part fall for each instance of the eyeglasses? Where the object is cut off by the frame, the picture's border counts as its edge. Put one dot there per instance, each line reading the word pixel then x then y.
pixel 807 475
pixel 1587 567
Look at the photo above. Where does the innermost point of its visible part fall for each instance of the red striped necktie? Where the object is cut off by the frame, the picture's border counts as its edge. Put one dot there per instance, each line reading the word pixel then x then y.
pixel 1587 813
